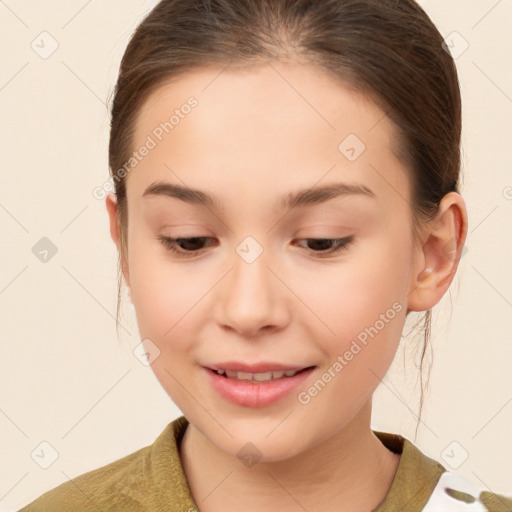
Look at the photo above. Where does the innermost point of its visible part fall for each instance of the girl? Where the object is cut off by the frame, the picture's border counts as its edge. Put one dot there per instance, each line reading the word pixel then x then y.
pixel 286 192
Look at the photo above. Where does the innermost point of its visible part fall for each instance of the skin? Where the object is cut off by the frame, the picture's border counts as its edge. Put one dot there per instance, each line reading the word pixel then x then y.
pixel 253 138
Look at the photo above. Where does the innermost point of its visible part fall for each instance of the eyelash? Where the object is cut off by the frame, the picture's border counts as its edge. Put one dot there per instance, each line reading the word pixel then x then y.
pixel 341 244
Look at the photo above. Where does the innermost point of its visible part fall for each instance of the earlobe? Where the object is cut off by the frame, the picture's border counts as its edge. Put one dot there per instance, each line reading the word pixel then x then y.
pixel 439 255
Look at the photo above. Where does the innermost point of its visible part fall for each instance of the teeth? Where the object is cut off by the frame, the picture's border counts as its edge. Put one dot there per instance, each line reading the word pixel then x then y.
pixel 256 376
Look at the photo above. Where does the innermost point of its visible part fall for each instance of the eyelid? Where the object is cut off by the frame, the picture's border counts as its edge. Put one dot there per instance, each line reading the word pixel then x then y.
pixel 340 244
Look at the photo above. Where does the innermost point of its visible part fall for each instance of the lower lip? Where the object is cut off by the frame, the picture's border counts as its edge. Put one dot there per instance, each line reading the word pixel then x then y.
pixel 256 393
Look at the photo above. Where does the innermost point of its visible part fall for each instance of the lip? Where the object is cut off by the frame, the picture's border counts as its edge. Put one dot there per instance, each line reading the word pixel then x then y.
pixel 256 393
pixel 261 367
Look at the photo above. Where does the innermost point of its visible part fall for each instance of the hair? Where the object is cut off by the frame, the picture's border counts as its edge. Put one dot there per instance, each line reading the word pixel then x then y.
pixel 389 50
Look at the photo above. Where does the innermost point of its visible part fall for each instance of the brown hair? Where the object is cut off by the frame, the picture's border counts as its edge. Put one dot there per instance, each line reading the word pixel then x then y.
pixel 388 49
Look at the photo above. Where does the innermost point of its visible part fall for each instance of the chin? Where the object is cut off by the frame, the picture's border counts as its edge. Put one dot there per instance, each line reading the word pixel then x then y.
pixel 258 445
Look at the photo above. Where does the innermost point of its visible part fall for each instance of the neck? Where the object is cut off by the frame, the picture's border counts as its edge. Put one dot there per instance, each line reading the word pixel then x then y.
pixel 351 470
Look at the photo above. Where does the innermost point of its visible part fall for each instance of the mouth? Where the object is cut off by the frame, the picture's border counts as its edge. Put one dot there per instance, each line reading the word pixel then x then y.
pixel 257 388
pixel 258 377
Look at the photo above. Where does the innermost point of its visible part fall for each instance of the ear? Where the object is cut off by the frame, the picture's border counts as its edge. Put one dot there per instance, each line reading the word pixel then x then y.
pixel 115 232
pixel 437 256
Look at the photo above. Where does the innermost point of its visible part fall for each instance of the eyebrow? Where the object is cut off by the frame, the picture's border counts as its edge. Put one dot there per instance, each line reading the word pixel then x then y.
pixel 306 197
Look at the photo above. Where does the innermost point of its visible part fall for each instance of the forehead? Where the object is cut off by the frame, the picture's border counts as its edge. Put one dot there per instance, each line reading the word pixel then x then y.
pixel 264 128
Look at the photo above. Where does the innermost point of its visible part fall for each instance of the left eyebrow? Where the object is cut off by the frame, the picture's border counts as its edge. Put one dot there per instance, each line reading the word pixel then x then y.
pixel 324 193
pixel 305 197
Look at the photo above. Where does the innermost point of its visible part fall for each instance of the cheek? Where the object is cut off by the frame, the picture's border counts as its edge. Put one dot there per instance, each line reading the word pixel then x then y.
pixel 164 293
pixel 353 294
pixel 167 299
pixel 363 309
pixel 165 304
pixel 362 304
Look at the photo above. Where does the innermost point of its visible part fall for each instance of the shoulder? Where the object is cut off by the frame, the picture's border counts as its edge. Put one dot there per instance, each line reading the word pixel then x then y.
pixel 103 488
pixel 458 493
pixel 139 482
pixel 423 484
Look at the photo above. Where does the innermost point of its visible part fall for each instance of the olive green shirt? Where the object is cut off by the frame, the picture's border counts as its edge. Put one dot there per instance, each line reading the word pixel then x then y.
pixel 152 480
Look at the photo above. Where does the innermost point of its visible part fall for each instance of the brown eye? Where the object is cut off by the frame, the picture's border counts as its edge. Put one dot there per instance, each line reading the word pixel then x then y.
pixel 182 246
pixel 328 246
pixel 189 247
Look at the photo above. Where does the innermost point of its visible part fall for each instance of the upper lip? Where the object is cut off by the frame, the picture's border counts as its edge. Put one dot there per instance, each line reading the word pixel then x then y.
pixel 262 367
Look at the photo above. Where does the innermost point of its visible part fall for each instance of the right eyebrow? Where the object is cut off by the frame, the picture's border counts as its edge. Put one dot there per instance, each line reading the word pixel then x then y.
pixel 299 198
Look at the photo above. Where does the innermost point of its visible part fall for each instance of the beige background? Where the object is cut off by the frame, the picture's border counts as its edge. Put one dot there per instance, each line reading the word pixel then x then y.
pixel 64 377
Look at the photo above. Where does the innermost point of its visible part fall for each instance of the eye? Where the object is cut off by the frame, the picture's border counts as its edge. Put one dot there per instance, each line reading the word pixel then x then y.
pixel 329 246
pixel 191 245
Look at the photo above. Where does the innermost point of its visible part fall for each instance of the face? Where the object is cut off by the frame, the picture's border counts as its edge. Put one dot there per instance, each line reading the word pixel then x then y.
pixel 322 282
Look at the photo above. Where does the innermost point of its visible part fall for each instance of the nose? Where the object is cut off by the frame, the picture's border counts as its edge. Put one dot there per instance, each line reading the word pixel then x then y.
pixel 251 298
